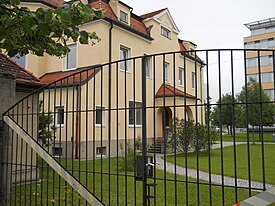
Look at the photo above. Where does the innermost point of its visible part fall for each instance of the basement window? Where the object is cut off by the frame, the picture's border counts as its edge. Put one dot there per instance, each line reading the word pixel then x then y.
pixel 101 151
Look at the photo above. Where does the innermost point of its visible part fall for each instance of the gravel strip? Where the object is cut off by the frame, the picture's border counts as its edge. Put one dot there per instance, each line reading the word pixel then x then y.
pixel 217 179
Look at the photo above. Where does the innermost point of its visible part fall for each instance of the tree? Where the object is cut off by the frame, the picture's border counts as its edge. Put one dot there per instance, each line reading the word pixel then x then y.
pixel 44 30
pixel 223 113
pixel 261 111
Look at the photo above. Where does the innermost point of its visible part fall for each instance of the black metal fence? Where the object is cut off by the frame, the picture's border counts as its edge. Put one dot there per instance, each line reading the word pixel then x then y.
pixel 177 128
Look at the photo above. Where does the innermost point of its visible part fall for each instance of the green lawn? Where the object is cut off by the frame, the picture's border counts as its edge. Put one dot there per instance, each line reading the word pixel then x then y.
pixel 242 137
pixel 48 189
pixel 228 161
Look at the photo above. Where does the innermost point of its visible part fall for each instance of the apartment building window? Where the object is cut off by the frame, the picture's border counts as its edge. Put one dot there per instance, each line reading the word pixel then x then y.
pixel 70 59
pixel 267 77
pixel 251 77
pixel 125 53
pixel 193 80
pixel 165 32
pixel 271 43
pixel 251 62
pixel 181 76
pixel 59 116
pixel 270 93
pixel 166 73
pixel 20 60
pixel 249 45
pixel 100 116
pixel 264 60
pixel 123 17
pixel 148 64
pixel 135 113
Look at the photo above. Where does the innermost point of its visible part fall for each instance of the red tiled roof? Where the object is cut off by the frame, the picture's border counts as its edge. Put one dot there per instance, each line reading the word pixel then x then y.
pixel 9 67
pixel 135 24
pixel 183 48
pixel 71 80
pixel 151 14
pixel 167 90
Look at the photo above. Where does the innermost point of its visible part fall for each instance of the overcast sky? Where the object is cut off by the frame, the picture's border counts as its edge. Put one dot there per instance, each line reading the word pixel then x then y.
pixel 214 24
pixel 210 23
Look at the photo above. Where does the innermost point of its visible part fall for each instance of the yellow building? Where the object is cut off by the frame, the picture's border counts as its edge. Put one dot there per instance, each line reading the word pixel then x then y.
pixel 262 37
pixel 96 95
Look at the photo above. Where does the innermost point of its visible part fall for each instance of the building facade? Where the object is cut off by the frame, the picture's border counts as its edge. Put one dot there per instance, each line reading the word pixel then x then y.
pixel 262 37
pixel 177 78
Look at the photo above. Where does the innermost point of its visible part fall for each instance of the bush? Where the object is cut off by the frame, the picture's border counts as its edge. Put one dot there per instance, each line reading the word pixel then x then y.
pixel 189 136
pixel 127 161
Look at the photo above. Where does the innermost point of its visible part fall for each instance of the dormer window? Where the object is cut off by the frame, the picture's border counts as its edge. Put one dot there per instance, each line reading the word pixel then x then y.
pixel 123 17
pixel 165 32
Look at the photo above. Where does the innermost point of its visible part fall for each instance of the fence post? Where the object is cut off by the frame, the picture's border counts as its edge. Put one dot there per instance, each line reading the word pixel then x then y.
pixel 144 130
pixel 7 98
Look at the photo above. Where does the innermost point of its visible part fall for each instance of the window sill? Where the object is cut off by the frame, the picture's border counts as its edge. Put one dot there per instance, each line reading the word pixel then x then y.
pixel 71 69
pixel 127 72
pixel 135 126
pixel 99 156
pixel 99 126
pixel 59 126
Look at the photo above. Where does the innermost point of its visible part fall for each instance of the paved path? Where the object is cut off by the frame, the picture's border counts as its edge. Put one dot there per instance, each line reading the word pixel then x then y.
pixel 217 179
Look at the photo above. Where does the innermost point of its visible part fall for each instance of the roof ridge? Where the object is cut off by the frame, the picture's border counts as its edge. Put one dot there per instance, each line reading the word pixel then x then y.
pixel 153 13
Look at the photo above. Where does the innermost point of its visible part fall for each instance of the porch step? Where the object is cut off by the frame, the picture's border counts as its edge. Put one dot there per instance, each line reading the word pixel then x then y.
pixel 157 147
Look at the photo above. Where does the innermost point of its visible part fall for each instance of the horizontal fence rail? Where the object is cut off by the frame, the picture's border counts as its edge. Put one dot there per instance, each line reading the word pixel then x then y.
pixel 176 128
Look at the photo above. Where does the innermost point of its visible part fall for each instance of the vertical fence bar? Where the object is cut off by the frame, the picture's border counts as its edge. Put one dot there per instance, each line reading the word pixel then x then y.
pixel 144 131
pixel 261 119
pixel 220 118
pixel 247 126
pixel 233 126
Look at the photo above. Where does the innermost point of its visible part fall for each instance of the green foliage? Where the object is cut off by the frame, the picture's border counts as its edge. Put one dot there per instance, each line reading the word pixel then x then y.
pixel 46 128
pixel 44 30
pixel 127 160
pixel 258 113
pixel 190 136
pixel 223 113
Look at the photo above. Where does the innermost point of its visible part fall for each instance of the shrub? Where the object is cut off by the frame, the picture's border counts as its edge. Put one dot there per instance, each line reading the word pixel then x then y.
pixel 127 160
pixel 189 136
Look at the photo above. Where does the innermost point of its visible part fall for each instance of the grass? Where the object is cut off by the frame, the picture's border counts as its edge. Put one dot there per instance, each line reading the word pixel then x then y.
pixel 53 190
pixel 228 161
pixel 242 137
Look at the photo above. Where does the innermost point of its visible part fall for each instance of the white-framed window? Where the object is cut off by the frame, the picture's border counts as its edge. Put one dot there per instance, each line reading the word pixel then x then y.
pixel 166 72
pixel 20 60
pixel 148 65
pixel 123 17
pixel 100 116
pixel 165 32
pixel 59 116
pixel 181 77
pixel 125 53
pixel 70 58
pixel 101 151
pixel 135 113
pixel 193 80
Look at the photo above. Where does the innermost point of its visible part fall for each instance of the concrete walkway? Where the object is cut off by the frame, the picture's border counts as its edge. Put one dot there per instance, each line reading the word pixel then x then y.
pixel 217 179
